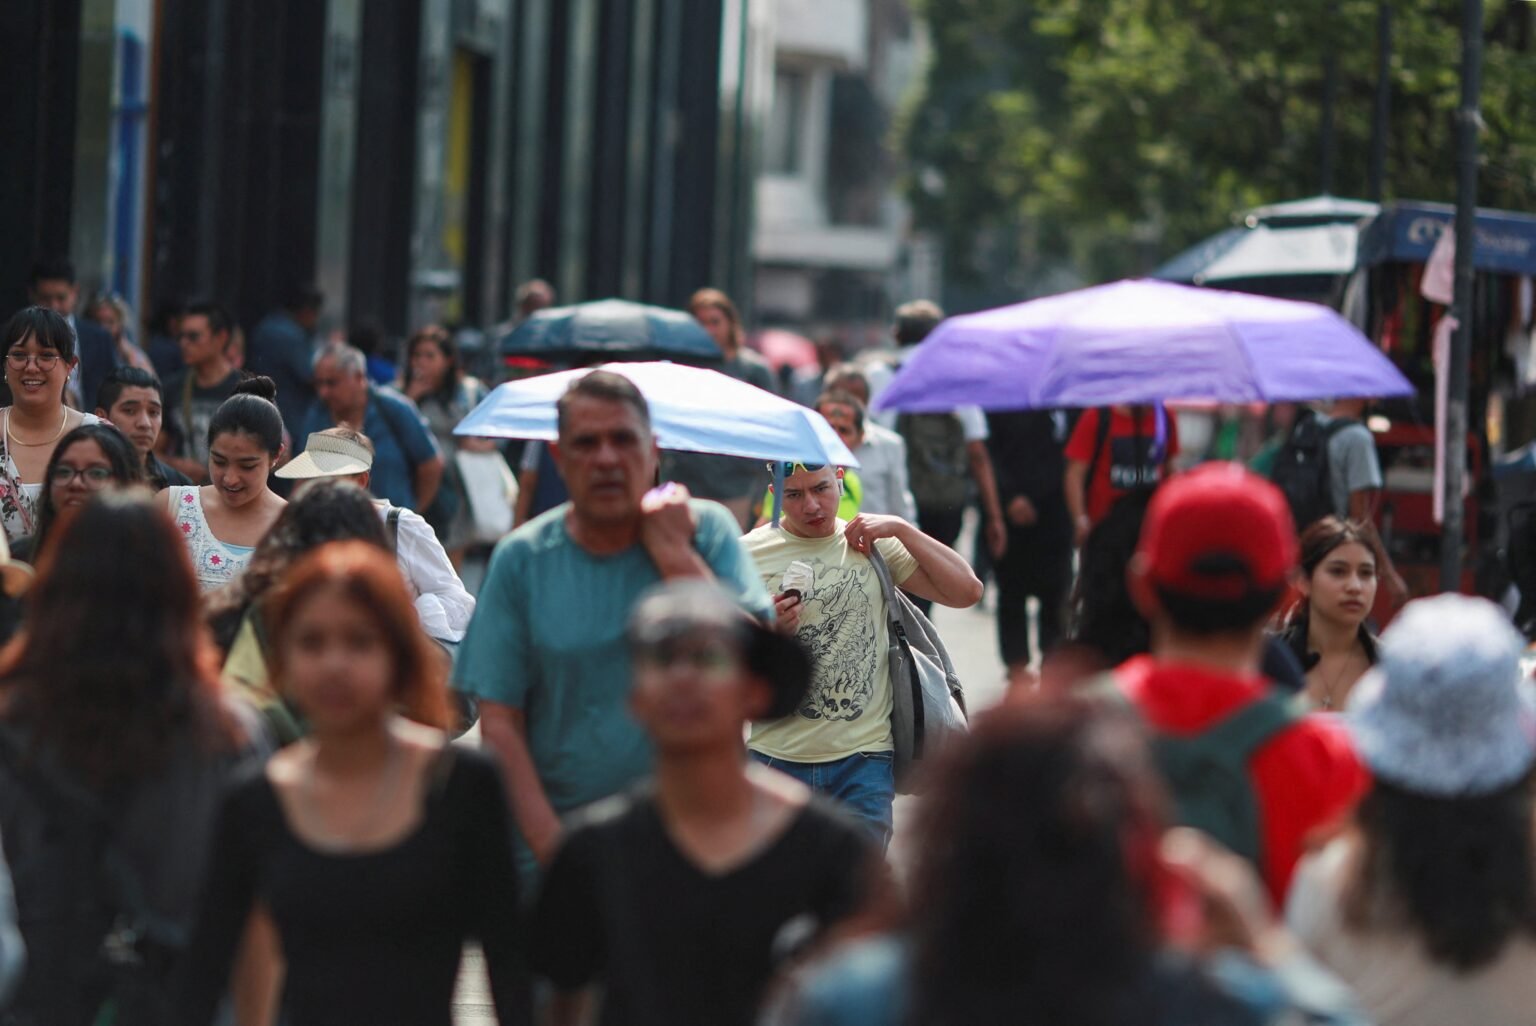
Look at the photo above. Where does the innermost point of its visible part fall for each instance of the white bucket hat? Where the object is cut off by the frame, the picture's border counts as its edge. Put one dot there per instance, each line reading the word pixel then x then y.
pixel 1445 713
pixel 327 456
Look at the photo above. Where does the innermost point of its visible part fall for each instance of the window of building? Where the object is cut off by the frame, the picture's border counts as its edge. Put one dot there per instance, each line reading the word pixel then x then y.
pixel 783 145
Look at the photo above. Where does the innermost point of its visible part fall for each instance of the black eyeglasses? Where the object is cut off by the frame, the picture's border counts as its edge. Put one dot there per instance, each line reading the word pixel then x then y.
pixel 94 477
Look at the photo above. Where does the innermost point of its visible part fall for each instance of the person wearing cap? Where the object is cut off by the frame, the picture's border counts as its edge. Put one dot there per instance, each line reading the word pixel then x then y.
pixel 1427 905
pixel 677 896
pixel 1216 550
pixel 838 740
pixel 442 602
pixel 545 653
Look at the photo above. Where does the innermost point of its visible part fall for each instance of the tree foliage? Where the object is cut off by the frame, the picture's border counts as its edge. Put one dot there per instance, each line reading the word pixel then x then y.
pixel 1098 137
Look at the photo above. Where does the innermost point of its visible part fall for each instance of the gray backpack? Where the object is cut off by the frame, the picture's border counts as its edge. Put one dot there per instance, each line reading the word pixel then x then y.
pixel 927 700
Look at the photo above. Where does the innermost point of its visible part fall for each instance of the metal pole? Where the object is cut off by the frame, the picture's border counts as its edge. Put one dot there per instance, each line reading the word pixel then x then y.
pixel 1382 115
pixel 1468 121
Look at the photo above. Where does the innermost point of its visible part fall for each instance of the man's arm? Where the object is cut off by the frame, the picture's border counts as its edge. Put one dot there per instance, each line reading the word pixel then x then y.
pixel 991 508
pixel 428 477
pixel 505 731
pixel 942 574
pixel 1074 485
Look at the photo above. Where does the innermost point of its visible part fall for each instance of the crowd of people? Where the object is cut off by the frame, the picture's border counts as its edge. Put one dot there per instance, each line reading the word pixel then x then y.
pixel 265 759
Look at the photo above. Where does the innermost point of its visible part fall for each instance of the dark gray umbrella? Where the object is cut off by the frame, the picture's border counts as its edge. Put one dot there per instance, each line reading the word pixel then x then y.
pixel 612 329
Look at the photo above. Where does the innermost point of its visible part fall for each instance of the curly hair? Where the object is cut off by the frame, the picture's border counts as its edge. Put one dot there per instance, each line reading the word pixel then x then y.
pixel 371 579
pixel 1104 618
pixel 1037 882
pixel 1463 870
pixel 127 469
pixel 114 664
pixel 327 510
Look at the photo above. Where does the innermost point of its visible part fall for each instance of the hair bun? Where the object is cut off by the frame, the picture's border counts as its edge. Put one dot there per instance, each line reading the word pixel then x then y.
pixel 258 385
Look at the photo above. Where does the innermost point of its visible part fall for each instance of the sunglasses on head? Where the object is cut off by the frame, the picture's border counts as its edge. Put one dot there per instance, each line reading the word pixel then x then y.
pixel 795 468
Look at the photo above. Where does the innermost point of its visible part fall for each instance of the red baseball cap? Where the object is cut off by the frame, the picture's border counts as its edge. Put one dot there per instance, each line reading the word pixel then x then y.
pixel 1218 532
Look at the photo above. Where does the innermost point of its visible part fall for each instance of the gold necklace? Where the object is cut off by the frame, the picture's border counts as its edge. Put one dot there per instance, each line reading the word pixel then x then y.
pixel 11 435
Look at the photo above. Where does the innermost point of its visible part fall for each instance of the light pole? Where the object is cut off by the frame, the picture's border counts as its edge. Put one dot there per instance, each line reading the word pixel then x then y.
pixel 1468 122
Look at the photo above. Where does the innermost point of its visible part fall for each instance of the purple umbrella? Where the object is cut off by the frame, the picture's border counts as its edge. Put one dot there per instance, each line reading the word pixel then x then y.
pixel 1140 342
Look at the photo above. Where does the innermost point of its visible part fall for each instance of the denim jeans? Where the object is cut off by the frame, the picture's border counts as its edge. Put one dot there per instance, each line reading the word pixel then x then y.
pixel 865 783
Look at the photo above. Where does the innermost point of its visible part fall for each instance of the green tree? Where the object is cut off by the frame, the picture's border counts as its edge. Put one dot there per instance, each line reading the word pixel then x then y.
pixel 1098 137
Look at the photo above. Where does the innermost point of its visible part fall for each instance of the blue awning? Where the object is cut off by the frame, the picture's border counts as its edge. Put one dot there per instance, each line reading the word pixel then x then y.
pixel 1407 232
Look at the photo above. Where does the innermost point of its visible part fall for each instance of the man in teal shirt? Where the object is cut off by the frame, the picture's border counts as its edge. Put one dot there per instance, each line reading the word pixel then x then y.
pixel 545 652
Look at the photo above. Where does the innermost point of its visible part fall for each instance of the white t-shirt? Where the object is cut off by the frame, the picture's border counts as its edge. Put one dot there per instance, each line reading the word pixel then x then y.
pixel 442 603
pixel 847 709
pixel 1389 969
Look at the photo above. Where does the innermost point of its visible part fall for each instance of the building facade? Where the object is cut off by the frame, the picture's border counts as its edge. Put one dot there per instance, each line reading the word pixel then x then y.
pixel 834 246
pixel 415 158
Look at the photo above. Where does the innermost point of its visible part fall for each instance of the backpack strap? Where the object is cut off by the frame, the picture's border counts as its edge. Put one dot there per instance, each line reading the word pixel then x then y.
pixel 1236 737
pixel 1105 415
pixel 392 529
pixel 895 628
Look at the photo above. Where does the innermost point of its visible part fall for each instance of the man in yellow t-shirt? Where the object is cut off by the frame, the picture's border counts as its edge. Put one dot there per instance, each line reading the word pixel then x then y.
pixel 826 593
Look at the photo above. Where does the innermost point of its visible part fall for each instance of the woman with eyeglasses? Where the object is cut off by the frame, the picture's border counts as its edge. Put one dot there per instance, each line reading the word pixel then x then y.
pixel 88 459
pixel 39 357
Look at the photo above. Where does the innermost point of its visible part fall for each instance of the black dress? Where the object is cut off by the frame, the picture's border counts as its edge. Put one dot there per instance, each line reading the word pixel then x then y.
pixel 368 938
pixel 671 943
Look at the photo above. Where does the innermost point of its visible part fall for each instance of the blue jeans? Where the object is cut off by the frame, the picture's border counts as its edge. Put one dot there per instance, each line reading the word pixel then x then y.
pixel 865 783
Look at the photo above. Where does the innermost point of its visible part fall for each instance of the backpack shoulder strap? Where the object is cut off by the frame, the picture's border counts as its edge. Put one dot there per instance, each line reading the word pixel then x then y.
pixel 1237 736
pixel 392 529
pixel 887 586
pixel 1101 436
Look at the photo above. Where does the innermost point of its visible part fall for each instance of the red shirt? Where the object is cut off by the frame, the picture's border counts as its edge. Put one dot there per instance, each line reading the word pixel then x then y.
pixel 1305 777
pixel 1118 469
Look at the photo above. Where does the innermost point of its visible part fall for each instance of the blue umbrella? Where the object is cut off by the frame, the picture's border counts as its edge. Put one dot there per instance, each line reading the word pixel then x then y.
pixel 1142 342
pixel 611 329
pixel 692 410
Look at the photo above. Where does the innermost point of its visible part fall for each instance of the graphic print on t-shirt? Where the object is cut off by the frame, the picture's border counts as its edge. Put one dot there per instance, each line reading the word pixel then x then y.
pixel 838 621
pixel 1132 463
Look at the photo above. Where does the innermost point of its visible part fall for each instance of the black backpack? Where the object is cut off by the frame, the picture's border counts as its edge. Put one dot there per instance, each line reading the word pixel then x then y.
pixel 1301 468
pixel 96 955
pixel 938 466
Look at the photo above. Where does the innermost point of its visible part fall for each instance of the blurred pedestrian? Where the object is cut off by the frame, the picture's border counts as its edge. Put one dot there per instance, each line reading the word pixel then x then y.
pixel 282 347
pixel 115 748
pixel 826 593
pixel 53 285
pixel 442 602
pixel 197 392
pixel 1026 450
pixel 407 466
pixel 733 482
pixel 161 344
pixel 223 521
pixel 545 653
pixel 133 401
pixel 376 848
pixel 113 313
pixel 435 380
pixel 1427 906
pixel 946 452
pixel 39 356
pixel 1113 452
pixel 1044 890
pixel 335 510
pixel 1242 760
pixel 368 339
pixel 88 459
pixel 1326 627
pixel 674 898
pixel 883 484
pixel 532 296
pixel 882 453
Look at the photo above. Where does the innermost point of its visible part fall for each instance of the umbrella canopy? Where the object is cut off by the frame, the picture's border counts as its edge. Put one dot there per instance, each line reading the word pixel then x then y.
pixel 614 329
pixel 1141 342
pixel 1264 251
pixel 692 410
pixel 784 348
